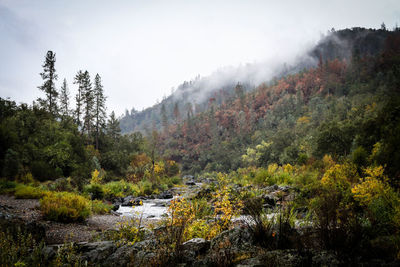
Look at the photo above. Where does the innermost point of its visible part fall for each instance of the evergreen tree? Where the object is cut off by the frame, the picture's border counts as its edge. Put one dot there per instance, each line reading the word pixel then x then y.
pixel 177 114
pixel 79 97
pixel 113 129
pixel 100 108
pixel 49 76
pixel 164 118
pixel 64 100
pixel 88 101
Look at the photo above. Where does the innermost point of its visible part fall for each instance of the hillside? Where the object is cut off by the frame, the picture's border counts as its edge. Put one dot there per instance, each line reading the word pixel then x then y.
pixel 193 96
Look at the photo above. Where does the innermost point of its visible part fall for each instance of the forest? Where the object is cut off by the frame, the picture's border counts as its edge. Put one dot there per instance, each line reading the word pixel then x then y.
pixel 301 170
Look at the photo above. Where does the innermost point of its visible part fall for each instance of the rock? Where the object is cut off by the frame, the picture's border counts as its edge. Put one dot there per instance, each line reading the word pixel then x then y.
pixel 160 204
pixel 15 225
pixel 269 199
pixel 191 182
pixel 137 201
pixel 116 206
pixel 188 177
pixel 237 239
pixel 150 216
pixel 197 245
pixel 165 195
pixel 126 201
pixel 96 252
pixel 193 249
pixel 122 256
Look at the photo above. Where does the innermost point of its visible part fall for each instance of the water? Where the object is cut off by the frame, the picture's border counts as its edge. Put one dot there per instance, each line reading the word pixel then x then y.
pixel 151 209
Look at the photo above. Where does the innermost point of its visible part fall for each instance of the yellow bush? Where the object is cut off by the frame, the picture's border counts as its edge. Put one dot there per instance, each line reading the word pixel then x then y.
pixel 96 179
pixel 339 176
pixel 373 186
pixel 181 211
pixel 29 192
pixel 65 207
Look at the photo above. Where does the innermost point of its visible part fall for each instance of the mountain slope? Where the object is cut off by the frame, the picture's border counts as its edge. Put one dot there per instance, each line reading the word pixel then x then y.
pixel 193 97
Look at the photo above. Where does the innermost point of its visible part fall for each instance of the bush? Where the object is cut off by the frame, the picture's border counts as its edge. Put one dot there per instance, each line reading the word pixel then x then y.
pixel 145 187
pixel 20 249
pixel 119 189
pixel 43 171
pixel 29 192
pixel 61 184
pixel 7 186
pixel 95 190
pixel 65 207
pixel 99 207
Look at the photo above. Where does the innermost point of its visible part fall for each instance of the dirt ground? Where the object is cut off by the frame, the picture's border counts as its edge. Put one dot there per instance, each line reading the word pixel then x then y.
pixel 56 233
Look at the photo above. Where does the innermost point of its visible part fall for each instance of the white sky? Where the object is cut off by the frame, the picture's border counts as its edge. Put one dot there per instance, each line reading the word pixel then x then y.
pixel 142 49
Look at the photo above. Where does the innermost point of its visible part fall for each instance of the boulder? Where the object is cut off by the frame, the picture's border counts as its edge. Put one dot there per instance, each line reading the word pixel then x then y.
pixel 165 195
pixel 127 201
pixel 96 252
pixel 197 245
pixel 191 183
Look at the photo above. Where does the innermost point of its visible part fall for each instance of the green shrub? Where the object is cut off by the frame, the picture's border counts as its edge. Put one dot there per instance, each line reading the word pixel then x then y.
pixel 61 184
pixel 95 190
pixel 119 189
pixel 261 177
pixel 65 207
pixel 145 187
pixel 28 192
pixel 43 171
pixel 7 186
pixel 20 249
pixel 99 207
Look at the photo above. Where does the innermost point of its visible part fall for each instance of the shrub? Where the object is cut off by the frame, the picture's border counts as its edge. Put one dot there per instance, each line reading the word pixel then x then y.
pixel 145 187
pixel 29 192
pixel 99 207
pixel 61 184
pixel 65 207
pixel 95 190
pixel 20 249
pixel 129 232
pixel 7 186
pixel 119 189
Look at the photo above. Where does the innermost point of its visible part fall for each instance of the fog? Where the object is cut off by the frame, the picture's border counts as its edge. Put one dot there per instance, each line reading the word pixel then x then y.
pixel 142 49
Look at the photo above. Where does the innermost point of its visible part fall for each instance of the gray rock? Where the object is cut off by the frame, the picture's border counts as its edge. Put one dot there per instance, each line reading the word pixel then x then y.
pixel 126 201
pixel 197 245
pixel 165 195
pixel 191 182
pixel 96 252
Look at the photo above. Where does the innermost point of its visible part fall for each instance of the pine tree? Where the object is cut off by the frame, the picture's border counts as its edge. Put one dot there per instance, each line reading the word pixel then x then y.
pixel 113 129
pixel 49 76
pixel 100 107
pixel 64 100
pixel 79 97
pixel 177 114
pixel 164 118
pixel 88 102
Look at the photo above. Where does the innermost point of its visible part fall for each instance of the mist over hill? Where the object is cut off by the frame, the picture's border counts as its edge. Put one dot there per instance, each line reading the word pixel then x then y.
pixel 194 96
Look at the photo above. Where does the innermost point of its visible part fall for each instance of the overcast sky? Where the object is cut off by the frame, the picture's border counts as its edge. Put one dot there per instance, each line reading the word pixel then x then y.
pixel 142 49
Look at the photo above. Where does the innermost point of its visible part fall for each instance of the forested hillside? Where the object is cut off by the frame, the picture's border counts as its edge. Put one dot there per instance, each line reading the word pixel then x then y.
pixel 192 97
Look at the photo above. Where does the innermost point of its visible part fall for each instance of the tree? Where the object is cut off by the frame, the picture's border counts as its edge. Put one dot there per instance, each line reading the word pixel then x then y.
pixel 88 100
pixel 164 118
pixel 78 98
pixel 64 100
pixel 48 87
pixel 100 107
pixel 177 114
pixel 113 129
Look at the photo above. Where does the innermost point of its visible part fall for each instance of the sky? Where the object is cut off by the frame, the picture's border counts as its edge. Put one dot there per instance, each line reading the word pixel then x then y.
pixel 142 49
